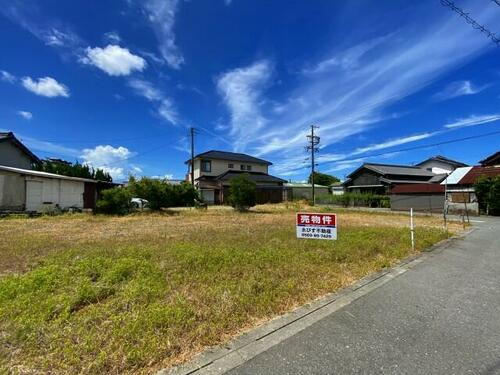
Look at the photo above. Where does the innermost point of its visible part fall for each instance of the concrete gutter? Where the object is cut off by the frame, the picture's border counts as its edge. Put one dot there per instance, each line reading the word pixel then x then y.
pixel 218 360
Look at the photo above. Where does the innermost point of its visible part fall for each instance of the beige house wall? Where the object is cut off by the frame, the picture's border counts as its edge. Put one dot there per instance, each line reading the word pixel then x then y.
pixel 221 166
pixel 12 191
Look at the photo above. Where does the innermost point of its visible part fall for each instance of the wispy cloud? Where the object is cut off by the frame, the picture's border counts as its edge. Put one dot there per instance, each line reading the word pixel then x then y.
pixel 50 31
pixel 350 90
pixel 349 59
pixel 394 142
pixel 7 77
pixel 161 16
pixel 47 147
pixel 458 88
pixel 165 107
pixel 112 37
pixel 46 86
pixel 25 115
pixel 114 60
pixel 241 90
pixel 472 120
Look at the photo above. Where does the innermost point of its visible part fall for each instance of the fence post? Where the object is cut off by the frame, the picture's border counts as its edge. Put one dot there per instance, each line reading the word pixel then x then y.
pixel 412 230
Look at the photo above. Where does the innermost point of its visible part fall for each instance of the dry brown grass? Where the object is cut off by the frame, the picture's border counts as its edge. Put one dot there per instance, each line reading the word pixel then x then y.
pixel 96 294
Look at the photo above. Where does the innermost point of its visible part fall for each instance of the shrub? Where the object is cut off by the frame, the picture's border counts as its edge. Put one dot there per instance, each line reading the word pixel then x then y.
pixel 242 193
pixel 115 201
pixel 161 194
pixel 356 200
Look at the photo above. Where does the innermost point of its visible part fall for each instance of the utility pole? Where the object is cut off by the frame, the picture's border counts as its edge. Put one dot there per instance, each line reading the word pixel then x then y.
pixel 313 141
pixel 192 155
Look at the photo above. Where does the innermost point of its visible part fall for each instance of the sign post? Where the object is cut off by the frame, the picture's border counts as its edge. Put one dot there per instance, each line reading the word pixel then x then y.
pixel 317 226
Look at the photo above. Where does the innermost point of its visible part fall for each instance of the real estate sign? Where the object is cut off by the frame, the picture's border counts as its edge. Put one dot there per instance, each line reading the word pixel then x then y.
pixel 317 226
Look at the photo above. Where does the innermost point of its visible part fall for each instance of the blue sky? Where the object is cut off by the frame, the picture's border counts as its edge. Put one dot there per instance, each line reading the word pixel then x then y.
pixel 117 84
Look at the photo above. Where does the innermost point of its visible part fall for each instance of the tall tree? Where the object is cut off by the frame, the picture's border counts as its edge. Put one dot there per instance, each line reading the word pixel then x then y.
pixel 76 169
pixel 323 179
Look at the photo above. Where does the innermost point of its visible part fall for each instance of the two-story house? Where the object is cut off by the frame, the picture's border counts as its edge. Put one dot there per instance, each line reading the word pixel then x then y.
pixel 214 170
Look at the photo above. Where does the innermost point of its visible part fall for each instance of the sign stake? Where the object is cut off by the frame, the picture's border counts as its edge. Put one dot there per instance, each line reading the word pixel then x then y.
pixel 412 230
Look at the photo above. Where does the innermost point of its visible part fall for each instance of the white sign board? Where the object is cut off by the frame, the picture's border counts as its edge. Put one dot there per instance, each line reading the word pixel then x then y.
pixel 317 226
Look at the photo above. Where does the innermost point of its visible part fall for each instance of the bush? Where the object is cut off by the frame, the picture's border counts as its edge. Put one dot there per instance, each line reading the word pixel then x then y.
pixel 115 201
pixel 356 200
pixel 242 193
pixel 161 194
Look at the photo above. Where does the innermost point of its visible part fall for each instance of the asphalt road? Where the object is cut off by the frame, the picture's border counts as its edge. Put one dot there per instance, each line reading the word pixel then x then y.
pixel 441 317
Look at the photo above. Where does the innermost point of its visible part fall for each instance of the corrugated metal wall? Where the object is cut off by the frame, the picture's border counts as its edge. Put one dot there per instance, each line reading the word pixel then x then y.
pixel 433 203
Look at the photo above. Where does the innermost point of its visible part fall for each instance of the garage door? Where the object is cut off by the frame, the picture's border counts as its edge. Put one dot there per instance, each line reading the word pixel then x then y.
pixel 34 191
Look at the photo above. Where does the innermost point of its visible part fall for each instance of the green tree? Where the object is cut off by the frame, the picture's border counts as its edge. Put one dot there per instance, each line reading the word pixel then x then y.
pixel 323 179
pixel 488 194
pixel 242 193
pixel 76 169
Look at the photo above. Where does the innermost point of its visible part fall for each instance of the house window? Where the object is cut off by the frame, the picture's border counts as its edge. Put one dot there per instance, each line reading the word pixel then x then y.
pixel 242 167
pixel 249 167
pixel 206 166
pixel 230 166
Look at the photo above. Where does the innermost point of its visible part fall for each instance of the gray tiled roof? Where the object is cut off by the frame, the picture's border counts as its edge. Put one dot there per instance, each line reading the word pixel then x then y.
pixel 254 176
pixel 405 170
pixel 232 156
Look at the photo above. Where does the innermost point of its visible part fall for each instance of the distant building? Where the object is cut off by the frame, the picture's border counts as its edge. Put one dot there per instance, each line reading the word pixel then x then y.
pixel 14 154
pixel 337 188
pixel 439 165
pixel 382 178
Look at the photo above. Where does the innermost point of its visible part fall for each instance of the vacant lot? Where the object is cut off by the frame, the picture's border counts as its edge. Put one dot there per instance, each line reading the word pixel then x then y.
pixel 95 294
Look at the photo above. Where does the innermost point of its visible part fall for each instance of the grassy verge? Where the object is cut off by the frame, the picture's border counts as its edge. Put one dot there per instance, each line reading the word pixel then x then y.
pixel 83 294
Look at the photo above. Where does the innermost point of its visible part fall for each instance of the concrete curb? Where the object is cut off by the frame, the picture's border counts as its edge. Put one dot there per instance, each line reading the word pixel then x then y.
pixel 218 360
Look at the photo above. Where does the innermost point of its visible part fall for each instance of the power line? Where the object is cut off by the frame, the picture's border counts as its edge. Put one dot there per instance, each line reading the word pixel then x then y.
pixel 416 147
pixel 471 21
pixel 497 2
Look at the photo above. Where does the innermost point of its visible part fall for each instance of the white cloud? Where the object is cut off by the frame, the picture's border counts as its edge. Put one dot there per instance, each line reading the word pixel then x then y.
pixel 472 121
pixel 241 90
pixel 161 15
pixel 25 114
pixel 114 60
pixel 112 159
pixel 46 86
pixel 7 77
pixel 165 106
pixel 458 88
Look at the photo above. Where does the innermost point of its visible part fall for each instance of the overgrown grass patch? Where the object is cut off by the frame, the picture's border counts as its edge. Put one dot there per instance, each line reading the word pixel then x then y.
pixel 134 294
